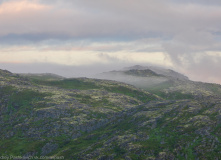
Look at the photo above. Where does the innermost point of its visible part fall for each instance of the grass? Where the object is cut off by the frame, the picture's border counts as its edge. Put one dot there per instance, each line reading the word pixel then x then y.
pixel 86 85
pixel 43 76
pixel 68 84
pixel 140 95
pixel 17 147
pixel 23 101
pixel 103 102
pixel 173 95
pixel 16 99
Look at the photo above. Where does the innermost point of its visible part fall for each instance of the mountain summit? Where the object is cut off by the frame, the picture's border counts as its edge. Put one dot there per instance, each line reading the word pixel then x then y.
pixel 160 71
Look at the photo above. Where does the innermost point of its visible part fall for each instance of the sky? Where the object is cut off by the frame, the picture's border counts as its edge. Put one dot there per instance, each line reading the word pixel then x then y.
pixel 82 37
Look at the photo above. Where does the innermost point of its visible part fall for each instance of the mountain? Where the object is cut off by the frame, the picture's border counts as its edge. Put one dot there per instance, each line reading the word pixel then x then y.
pixel 165 83
pixel 82 118
pixel 159 70
pixel 144 77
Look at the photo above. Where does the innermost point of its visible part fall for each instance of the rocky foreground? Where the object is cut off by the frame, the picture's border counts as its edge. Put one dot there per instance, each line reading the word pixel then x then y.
pixel 100 119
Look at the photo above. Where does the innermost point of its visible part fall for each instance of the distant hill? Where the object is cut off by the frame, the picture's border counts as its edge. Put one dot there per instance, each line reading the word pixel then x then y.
pixel 51 117
pixel 162 82
pixel 143 76
pixel 42 76
pixel 160 71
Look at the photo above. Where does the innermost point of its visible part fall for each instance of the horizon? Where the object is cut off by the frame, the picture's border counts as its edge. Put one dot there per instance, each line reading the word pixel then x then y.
pixel 81 38
pixel 94 73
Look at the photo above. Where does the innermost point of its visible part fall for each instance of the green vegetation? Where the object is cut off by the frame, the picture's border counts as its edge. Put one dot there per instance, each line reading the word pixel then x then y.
pixel 20 100
pixel 140 95
pixel 162 90
pixel 160 87
pixel 103 102
pixel 17 99
pixel 99 119
pixel 43 76
pixel 68 84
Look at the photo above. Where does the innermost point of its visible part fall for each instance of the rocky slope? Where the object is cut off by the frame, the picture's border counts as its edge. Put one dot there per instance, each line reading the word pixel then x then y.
pixel 100 119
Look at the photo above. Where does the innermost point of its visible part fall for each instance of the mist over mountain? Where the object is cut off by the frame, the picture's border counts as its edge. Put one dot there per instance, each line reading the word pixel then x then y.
pixel 143 77
pixel 159 70
pixel 160 81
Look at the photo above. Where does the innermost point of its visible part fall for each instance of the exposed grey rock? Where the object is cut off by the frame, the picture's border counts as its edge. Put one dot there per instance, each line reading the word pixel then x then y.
pixel 48 148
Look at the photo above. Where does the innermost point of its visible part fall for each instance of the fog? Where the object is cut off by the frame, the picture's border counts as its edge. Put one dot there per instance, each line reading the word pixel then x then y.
pixel 141 82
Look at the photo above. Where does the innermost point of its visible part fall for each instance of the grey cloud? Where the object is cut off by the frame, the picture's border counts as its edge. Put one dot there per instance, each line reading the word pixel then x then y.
pixel 184 47
pixel 202 2
pixel 119 19
pixel 206 70
pixel 185 29
pixel 188 52
pixel 30 38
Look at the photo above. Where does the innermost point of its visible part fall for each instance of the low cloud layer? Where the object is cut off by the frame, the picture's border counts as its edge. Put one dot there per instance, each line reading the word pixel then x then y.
pixel 184 35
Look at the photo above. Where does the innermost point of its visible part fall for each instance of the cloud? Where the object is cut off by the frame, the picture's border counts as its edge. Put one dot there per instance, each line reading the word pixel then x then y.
pixel 99 19
pixel 196 54
pixel 86 54
pixel 173 33
pixel 202 2
pixel 206 69
pixel 184 46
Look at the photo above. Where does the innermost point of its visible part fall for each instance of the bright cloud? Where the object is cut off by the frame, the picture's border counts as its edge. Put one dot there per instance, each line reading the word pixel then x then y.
pixel 15 7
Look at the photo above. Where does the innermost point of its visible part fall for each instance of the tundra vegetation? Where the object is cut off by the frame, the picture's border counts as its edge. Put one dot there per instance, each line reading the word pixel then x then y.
pixel 82 118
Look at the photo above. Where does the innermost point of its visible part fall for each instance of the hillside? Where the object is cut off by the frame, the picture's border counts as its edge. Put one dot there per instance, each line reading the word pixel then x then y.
pixel 83 118
pixel 165 83
pixel 42 76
